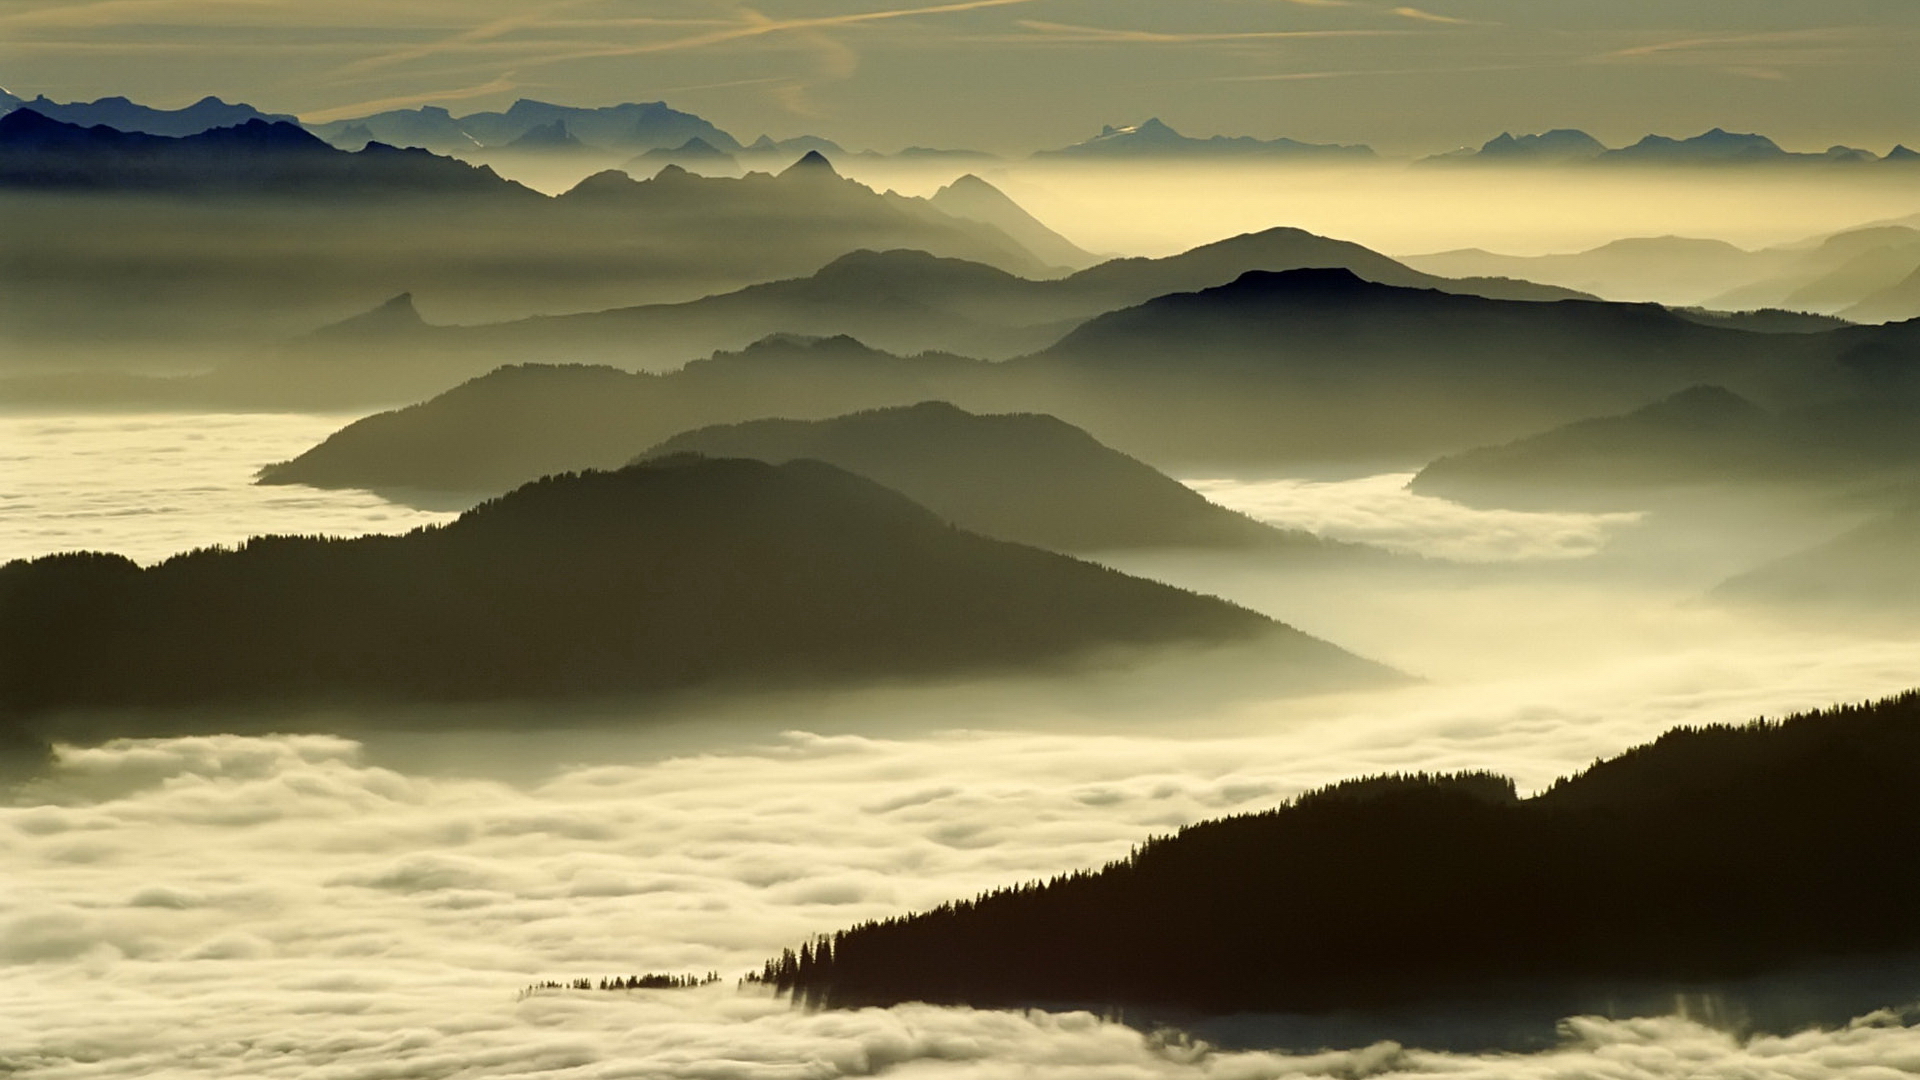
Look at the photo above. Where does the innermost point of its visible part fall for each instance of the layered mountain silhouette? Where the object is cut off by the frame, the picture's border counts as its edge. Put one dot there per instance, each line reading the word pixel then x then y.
pixel 1835 274
pixel 1865 573
pixel 1660 868
pixel 1566 146
pixel 1302 365
pixel 1273 370
pixel 524 421
pixel 1024 477
pixel 1704 437
pixel 344 229
pixel 696 155
pixel 258 158
pixel 1153 139
pixel 677 575
pixel 124 115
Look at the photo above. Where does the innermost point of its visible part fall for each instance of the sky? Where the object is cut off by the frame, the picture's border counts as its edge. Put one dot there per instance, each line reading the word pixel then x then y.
pixel 1018 75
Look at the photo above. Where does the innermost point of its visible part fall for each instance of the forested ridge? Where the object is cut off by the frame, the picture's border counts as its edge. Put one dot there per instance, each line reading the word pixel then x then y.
pixel 1712 853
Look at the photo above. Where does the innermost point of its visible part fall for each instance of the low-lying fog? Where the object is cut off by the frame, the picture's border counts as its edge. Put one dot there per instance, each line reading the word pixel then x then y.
pixel 314 905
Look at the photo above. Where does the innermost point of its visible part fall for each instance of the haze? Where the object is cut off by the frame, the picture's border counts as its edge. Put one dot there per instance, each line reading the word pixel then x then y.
pixel 478 519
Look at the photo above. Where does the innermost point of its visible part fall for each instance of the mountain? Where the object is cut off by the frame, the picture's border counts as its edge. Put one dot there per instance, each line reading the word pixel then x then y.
pixel 499 430
pixel 1825 274
pixel 1558 145
pixel 1713 147
pixel 901 301
pixel 1659 269
pixel 1269 372
pixel 1865 573
pixel 631 127
pixel 804 205
pixel 1153 139
pixel 1305 365
pixel 1895 303
pixel 123 115
pixel 687 574
pixel 549 136
pixel 696 155
pixel 1860 449
pixel 1023 477
pixel 257 159
pixel 221 243
pixel 974 199
pixel 1648 874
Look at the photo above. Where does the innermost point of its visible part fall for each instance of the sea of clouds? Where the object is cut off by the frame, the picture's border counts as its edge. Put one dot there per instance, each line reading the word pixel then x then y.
pixel 320 906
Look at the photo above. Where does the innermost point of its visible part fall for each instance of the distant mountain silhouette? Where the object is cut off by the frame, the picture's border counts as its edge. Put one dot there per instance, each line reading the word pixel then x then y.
pixel 1705 437
pixel 976 200
pixel 808 196
pixel 123 115
pixel 683 574
pixel 1302 364
pixel 1558 146
pixel 1864 573
pixel 347 228
pixel 1712 854
pixel 1153 139
pixel 1271 371
pixel 1024 477
pixel 696 155
pixel 493 432
pixel 550 136
pixel 1715 147
pixel 1825 274
pixel 1894 303
pixel 256 159
pixel 630 127
pixel 902 301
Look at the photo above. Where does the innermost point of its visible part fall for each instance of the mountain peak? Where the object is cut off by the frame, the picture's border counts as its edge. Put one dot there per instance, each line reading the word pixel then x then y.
pixel 812 163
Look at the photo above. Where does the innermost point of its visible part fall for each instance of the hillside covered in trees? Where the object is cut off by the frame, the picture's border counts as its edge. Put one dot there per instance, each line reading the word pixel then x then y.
pixel 687 573
pixel 1025 477
pixel 1713 853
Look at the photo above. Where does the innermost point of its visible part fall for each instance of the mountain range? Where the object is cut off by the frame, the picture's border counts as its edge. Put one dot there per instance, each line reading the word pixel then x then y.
pixel 1273 370
pixel 1856 274
pixel 1646 875
pixel 1023 477
pixel 1153 139
pixel 250 234
pixel 680 575
pixel 1717 146
pixel 119 113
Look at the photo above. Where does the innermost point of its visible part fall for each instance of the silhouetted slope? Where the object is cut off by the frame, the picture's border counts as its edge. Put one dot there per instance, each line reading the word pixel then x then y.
pixel 1703 437
pixel 1712 853
pixel 1298 364
pixel 1124 282
pixel 976 200
pixel 903 301
pixel 1867 571
pixel 686 573
pixel 1894 303
pixel 1023 477
pixel 520 422
pixel 255 159
pixel 242 236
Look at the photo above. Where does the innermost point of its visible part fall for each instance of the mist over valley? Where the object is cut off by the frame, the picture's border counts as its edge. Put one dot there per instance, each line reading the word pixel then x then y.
pixel 692 579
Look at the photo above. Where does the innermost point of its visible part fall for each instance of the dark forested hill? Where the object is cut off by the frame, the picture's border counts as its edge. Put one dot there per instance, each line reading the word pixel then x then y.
pixel 1714 853
pixel 688 573
pixel 517 423
pixel 1025 477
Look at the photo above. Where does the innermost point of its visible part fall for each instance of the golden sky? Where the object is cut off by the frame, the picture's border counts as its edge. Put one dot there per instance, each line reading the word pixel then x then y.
pixel 1013 75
